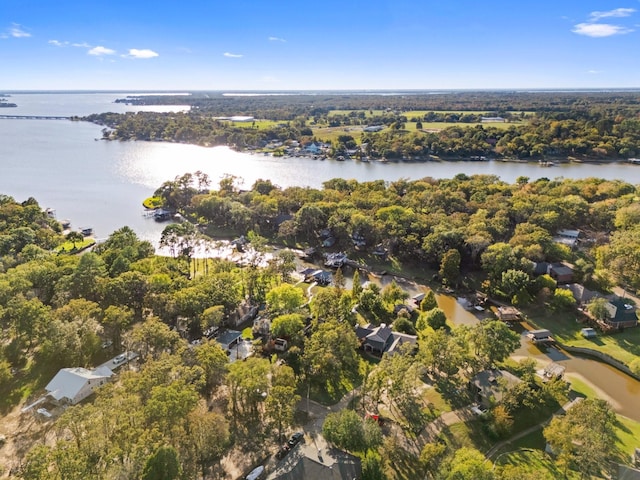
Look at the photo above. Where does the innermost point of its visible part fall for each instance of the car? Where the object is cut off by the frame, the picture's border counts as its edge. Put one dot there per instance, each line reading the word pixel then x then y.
pixel 295 439
pixel 119 359
pixel 44 412
pixel 478 409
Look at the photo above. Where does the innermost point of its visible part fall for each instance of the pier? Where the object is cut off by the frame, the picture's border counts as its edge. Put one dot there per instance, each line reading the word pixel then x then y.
pixel 33 117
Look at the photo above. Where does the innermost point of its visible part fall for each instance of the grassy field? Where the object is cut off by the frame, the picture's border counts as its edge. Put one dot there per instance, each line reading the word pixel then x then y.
pixel 418 113
pixel 70 247
pixel 623 346
pixel 259 124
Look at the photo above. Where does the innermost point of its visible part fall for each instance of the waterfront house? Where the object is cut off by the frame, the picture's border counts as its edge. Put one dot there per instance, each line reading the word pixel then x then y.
pixel 621 314
pixel 488 387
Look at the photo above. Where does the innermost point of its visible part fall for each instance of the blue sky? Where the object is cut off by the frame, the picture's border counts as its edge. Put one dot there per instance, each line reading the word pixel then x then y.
pixel 347 44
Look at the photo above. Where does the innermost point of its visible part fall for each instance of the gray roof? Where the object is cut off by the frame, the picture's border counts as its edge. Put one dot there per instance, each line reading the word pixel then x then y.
pixel 69 381
pixel 380 334
pixel 227 338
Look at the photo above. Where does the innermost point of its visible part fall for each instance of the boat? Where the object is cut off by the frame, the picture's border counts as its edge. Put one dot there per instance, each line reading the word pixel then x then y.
pixel 87 232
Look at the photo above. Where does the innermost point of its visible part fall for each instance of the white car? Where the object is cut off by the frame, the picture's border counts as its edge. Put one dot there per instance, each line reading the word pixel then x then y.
pixel 478 409
pixel 119 359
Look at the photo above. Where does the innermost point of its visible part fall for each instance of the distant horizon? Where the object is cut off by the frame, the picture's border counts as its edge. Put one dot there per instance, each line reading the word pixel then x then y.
pixel 309 91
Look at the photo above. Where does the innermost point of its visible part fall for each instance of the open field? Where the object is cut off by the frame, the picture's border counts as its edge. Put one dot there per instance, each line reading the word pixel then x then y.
pixel 259 124
pixel 419 113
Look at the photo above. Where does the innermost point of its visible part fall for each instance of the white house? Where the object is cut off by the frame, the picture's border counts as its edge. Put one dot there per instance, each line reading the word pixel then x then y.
pixel 72 385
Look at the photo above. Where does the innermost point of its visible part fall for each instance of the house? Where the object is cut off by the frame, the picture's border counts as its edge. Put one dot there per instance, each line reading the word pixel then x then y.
pixel 540 268
pixel 313 148
pixel 582 294
pixel 560 272
pixel 567 237
pixel 400 339
pixel 621 314
pixel 508 314
pixel 229 339
pixel 308 463
pixel 335 260
pixel 492 119
pixel 322 277
pixel 380 340
pixel 244 313
pixel 72 385
pixel 488 387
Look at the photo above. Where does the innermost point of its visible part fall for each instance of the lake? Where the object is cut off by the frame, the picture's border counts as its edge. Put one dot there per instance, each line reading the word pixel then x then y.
pixel 101 184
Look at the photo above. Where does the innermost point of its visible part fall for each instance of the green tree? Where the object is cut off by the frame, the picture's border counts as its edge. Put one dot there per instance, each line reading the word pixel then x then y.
pixel 450 267
pixel 289 326
pixel 562 300
pixel 584 439
pixel 598 308
pixel 163 464
pixel 285 299
pixel 429 301
pixel 346 429
pixel 431 457
pixel 493 341
pixel 435 318
pixel 330 353
pixel 467 464
pixel 208 437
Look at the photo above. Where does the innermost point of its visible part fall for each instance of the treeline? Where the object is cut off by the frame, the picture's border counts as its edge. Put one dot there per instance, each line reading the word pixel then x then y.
pixel 478 216
pixel 598 126
pixel 287 107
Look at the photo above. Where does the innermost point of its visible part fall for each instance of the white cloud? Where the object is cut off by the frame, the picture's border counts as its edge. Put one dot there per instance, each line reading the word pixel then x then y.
pixel 594 72
pixel 277 39
pixel 81 45
pixel 16 31
pixel 58 43
pixel 615 13
pixel 598 30
pixel 100 50
pixel 141 53
pixel 232 55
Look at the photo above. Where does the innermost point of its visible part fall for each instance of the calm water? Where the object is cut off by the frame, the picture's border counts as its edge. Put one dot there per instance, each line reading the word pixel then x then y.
pixel 102 184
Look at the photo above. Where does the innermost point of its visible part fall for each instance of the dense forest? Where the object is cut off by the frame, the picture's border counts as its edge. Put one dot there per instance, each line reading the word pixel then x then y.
pixel 537 125
pixel 183 408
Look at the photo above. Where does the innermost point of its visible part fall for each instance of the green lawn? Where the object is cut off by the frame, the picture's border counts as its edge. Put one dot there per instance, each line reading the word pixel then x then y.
pixel 628 433
pixel 431 396
pixel 70 247
pixel 623 346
